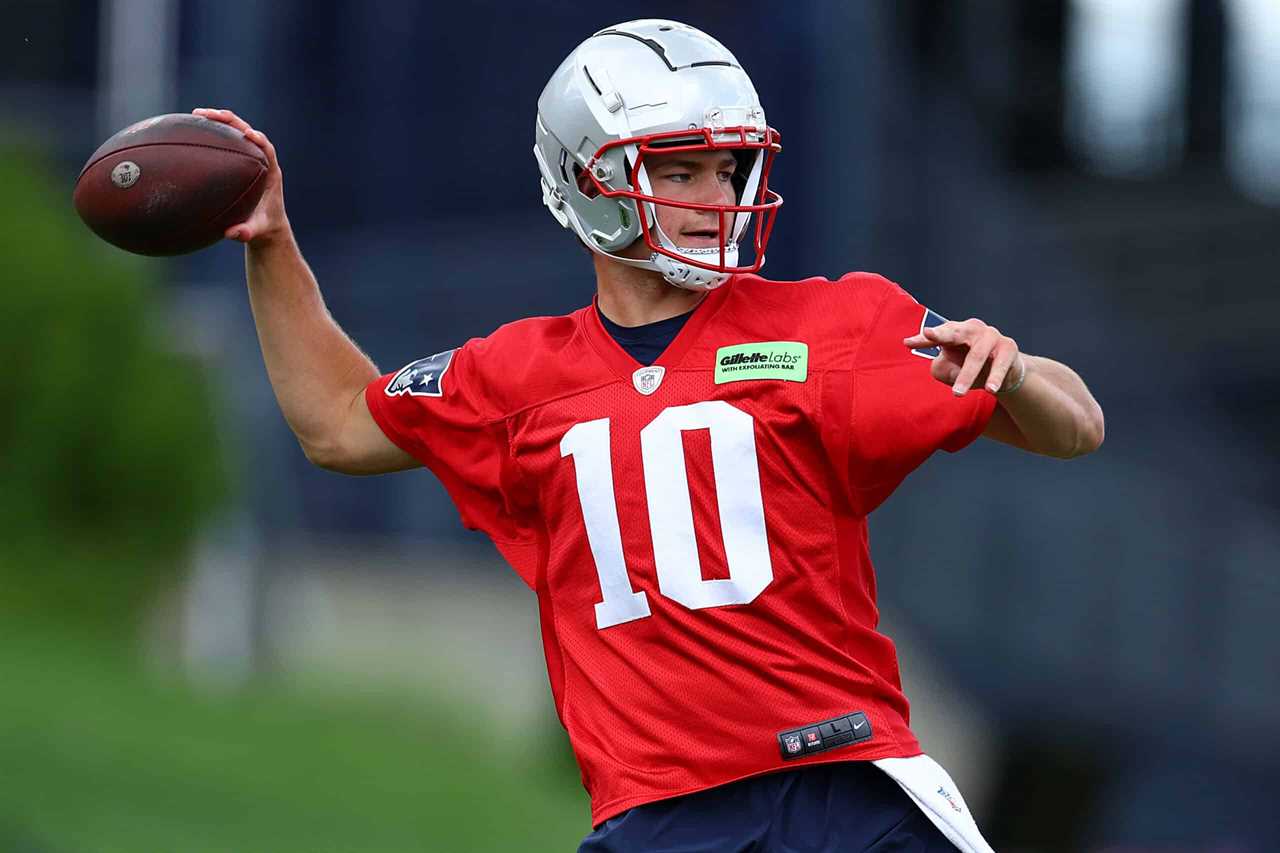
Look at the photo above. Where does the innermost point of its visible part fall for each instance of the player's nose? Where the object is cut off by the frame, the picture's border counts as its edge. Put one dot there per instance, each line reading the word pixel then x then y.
pixel 714 191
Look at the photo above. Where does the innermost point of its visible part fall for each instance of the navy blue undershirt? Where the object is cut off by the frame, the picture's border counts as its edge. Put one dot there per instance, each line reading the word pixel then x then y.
pixel 645 343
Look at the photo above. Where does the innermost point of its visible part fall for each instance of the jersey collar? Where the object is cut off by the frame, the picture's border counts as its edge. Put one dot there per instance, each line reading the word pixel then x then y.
pixel 621 362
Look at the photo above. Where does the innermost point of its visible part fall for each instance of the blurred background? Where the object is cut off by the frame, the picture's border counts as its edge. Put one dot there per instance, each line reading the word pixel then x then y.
pixel 208 645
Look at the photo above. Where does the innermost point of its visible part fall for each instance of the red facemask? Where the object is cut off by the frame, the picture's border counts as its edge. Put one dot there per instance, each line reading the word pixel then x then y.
pixel 765 201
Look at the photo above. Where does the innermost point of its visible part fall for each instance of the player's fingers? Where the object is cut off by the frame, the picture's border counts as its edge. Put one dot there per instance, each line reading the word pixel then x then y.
pixel 234 120
pixel 249 229
pixel 979 352
pixel 255 136
pixel 227 117
pixel 945 371
pixel 953 333
pixel 918 342
pixel 260 139
pixel 947 333
pixel 215 114
pixel 1002 359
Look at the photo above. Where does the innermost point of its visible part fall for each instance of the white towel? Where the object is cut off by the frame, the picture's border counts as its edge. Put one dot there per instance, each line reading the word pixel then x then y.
pixel 932 789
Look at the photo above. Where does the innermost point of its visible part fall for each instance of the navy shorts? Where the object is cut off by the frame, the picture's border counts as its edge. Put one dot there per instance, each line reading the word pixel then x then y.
pixel 847 806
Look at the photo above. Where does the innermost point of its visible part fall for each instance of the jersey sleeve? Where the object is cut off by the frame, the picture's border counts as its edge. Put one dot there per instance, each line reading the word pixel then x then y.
pixel 901 414
pixel 437 410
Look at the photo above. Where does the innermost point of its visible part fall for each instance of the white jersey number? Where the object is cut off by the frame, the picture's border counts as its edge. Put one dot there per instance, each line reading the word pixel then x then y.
pixel 666 480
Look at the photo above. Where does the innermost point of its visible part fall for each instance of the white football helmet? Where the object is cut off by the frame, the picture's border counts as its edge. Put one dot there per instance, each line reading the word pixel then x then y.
pixel 646 87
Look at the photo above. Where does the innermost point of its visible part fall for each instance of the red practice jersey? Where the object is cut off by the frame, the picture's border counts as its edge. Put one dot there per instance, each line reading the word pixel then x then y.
pixel 696 531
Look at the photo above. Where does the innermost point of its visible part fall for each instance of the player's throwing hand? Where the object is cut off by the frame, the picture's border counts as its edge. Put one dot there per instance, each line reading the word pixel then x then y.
pixel 268 219
pixel 972 353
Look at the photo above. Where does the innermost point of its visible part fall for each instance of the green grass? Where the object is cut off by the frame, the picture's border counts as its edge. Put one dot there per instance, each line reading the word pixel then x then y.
pixel 96 757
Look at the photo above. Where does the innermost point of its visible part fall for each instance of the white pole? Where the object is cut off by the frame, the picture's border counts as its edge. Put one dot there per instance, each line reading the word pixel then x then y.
pixel 138 68
pixel 1125 82
pixel 1253 118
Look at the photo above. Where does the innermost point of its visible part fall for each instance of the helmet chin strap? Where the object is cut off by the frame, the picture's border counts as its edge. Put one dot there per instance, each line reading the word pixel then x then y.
pixel 688 276
pixel 677 274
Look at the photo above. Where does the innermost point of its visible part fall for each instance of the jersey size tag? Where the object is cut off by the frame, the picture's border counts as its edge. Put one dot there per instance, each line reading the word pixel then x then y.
pixel 785 360
pixel 421 378
pixel 828 734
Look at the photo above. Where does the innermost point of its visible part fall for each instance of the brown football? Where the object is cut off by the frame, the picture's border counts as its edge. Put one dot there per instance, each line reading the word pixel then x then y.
pixel 171 184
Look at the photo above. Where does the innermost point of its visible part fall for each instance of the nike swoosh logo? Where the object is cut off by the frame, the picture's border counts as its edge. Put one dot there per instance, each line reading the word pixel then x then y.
pixel 859 725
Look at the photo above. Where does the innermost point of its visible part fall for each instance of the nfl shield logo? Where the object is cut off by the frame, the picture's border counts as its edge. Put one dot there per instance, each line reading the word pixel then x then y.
pixel 792 743
pixel 647 379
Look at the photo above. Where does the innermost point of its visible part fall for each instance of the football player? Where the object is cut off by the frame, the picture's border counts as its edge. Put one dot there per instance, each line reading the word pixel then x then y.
pixel 683 469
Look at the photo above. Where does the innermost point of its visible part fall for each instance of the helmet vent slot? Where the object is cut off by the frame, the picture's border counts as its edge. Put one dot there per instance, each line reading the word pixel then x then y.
pixel 650 43
pixel 583 183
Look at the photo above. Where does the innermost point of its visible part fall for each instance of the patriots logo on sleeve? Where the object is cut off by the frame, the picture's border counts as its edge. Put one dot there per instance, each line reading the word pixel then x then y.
pixel 421 378
pixel 929 320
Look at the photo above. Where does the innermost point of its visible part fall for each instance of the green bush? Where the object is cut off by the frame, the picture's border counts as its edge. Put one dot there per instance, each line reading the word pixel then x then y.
pixel 107 444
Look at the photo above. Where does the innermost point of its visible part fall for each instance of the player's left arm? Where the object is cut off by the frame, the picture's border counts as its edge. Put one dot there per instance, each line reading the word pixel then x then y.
pixel 1051 412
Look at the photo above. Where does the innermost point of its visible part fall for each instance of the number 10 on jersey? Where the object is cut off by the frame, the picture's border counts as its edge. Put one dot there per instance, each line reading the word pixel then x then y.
pixel 666 482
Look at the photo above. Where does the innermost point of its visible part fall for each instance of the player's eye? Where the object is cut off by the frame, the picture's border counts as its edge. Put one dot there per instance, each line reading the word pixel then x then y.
pixel 678 177
pixel 725 177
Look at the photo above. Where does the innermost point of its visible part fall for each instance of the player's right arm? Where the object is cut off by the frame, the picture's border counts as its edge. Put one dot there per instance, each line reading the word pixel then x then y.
pixel 317 372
